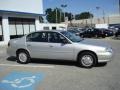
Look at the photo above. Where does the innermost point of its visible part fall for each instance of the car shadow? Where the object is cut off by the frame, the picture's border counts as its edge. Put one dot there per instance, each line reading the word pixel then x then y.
pixel 55 62
pixel 101 65
pixel 47 61
pixel 13 59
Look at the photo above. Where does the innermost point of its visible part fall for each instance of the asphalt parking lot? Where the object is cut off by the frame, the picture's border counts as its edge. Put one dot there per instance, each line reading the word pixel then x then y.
pixel 59 75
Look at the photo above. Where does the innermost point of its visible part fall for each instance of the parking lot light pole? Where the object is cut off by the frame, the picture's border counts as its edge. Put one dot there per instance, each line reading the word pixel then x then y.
pixel 56 15
pixel 60 15
pixel 119 6
pixel 103 12
pixel 104 16
pixel 64 6
pixel 97 8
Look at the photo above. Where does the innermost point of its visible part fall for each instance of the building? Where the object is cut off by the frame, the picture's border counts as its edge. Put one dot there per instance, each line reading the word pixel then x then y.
pixel 110 20
pixel 53 26
pixel 19 17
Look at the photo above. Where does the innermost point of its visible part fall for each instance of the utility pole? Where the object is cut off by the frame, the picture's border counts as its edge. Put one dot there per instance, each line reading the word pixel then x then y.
pixel 60 15
pixel 71 18
pixel 91 20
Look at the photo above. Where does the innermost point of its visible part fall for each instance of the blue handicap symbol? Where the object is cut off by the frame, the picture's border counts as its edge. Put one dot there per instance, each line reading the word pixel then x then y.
pixel 21 81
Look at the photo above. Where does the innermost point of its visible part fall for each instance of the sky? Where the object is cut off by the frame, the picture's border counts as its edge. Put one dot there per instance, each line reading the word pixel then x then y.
pixel 110 7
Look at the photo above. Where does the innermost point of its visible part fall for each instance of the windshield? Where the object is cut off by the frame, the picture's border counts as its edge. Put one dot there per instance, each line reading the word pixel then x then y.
pixel 71 36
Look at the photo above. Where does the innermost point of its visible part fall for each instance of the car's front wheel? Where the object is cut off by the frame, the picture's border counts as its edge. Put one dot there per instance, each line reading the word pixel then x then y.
pixel 87 59
pixel 23 57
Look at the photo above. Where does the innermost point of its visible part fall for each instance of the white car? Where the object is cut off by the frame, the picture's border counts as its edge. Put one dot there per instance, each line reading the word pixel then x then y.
pixel 61 45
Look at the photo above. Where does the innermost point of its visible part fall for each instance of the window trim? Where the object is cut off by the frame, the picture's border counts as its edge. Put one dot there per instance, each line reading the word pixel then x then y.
pixel 69 41
pixel 1 29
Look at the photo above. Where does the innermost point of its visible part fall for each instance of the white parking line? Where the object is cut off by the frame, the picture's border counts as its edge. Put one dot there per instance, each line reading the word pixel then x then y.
pixel 43 66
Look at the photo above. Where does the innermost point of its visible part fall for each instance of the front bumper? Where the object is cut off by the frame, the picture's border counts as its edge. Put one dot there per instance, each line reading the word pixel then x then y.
pixel 105 57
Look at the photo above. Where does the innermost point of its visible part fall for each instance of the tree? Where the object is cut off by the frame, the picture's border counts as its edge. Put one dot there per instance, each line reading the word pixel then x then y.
pixel 84 15
pixel 69 15
pixel 51 15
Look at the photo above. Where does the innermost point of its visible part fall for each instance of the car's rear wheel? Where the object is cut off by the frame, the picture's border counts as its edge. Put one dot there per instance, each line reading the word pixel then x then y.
pixel 96 36
pixel 103 36
pixel 87 60
pixel 82 36
pixel 23 57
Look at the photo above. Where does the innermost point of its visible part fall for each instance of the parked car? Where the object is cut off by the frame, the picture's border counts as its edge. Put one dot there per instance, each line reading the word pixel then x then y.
pixel 93 33
pixel 114 28
pixel 76 32
pixel 117 33
pixel 61 45
pixel 107 32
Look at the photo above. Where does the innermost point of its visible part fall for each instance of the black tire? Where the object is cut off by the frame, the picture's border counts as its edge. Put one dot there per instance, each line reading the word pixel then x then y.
pixel 27 60
pixel 116 35
pixel 96 36
pixel 91 56
pixel 103 36
pixel 82 36
pixel 104 64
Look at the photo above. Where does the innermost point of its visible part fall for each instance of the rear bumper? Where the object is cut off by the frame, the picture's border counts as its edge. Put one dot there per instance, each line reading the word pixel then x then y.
pixel 11 52
pixel 105 57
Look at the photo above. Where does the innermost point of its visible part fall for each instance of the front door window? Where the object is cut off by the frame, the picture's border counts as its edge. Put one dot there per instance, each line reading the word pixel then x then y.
pixel 54 37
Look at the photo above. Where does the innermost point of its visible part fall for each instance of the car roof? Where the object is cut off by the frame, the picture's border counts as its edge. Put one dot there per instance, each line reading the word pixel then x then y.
pixel 50 31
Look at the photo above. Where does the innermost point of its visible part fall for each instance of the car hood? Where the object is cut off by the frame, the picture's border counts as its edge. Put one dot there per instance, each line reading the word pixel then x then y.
pixel 94 42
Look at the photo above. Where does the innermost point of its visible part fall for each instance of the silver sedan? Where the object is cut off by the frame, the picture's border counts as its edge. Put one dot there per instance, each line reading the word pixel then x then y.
pixel 61 45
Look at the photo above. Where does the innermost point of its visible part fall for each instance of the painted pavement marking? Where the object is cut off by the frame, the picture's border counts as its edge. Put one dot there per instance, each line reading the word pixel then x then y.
pixel 33 66
pixel 21 81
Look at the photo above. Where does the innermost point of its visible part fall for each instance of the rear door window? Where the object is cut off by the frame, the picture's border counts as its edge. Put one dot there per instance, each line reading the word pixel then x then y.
pixel 37 37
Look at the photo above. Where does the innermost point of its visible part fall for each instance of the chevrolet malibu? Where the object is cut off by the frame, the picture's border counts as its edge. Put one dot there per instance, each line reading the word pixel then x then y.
pixel 59 45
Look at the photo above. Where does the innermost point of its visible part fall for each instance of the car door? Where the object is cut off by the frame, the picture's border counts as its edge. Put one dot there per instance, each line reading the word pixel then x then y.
pixel 59 50
pixel 37 44
pixel 88 33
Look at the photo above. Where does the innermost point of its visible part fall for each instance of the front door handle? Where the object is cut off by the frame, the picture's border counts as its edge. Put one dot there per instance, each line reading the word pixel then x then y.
pixel 51 46
pixel 28 45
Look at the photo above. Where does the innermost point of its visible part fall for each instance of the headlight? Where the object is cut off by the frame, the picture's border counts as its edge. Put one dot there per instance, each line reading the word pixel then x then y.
pixel 108 49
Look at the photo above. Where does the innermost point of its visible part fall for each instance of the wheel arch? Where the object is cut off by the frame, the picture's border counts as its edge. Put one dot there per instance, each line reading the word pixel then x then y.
pixel 22 49
pixel 89 52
